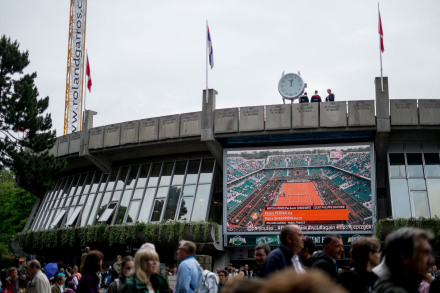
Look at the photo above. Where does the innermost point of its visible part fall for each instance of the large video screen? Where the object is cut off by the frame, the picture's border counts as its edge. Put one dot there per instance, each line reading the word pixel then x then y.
pixel 319 188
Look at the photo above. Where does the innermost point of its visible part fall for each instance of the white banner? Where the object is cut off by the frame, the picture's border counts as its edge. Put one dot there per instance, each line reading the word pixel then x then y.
pixel 77 65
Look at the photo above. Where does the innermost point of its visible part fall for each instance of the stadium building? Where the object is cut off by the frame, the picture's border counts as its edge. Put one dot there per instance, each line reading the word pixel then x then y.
pixel 334 167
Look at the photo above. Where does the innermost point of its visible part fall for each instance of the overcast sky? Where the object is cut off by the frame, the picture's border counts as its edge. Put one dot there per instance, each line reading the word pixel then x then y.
pixel 148 57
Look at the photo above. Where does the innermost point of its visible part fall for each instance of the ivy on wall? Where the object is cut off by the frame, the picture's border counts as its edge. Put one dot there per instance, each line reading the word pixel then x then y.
pixel 157 233
pixel 386 226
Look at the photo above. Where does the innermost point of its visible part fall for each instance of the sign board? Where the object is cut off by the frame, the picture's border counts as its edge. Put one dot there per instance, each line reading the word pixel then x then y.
pixel 320 188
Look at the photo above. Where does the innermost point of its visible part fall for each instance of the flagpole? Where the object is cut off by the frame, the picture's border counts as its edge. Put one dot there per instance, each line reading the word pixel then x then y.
pixel 85 81
pixel 380 48
pixel 206 50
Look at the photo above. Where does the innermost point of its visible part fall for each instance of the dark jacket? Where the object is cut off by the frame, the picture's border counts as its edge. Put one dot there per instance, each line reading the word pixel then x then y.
pixel 259 271
pixel 278 259
pixel 397 284
pixel 330 98
pixel 303 99
pixel 88 284
pixel 158 282
pixel 357 280
pixel 323 261
pixel 315 98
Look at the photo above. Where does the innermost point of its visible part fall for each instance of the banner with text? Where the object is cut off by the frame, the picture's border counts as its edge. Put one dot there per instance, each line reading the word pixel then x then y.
pixel 77 65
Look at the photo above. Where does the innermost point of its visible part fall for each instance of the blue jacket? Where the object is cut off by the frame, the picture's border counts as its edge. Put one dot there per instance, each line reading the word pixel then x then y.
pixel 278 259
pixel 188 275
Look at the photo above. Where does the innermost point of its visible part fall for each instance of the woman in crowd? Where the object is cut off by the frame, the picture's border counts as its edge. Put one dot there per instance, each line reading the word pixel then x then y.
pixel 127 270
pixel 92 264
pixel 146 278
pixel 365 255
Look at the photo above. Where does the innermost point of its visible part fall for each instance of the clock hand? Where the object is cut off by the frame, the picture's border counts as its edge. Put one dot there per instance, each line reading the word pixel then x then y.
pixel 291 81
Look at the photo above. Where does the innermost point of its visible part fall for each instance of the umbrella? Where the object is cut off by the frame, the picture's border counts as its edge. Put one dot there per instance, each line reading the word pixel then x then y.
pixel 50 269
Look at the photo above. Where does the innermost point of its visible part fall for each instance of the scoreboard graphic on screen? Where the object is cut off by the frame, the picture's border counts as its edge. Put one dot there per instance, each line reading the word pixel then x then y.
pixel 320 188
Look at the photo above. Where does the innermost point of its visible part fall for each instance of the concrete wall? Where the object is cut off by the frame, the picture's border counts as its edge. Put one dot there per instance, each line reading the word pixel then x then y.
pixel 253 119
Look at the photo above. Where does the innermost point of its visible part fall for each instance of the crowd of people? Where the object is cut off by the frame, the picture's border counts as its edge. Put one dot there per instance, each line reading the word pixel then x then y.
pixel 406 265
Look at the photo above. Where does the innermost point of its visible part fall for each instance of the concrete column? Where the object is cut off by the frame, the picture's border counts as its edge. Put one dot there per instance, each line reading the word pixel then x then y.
pixel 381 147
pixel 207 125
pixel 101 162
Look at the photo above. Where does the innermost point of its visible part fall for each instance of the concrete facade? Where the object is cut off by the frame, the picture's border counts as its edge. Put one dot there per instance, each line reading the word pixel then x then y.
pixel 278 117
pixel 251 119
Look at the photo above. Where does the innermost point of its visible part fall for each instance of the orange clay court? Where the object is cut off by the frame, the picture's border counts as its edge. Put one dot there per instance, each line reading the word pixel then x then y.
pixel 302 194
pixel 298 194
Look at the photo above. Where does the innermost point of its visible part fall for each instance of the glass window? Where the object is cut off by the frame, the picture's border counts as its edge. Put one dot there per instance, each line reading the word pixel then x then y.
pixel 131 180
pixel 132 212
pixel 123 206
pixel 185 208
pixel 165 178
pixel 142 180
pixel 146 205
pixel 71 220
pixel 92 217
pixel 116 195
pixel 189 190
pixel 154 177
pixel 121 179
pixel 179 173
pixel 415 168
pixel 206 171
pixel 103 182
pixel 157 210
pixel 96 181
pixel 138 193
pixel 432 165
pixel 201 203
pixel 400 202
pixel 397 159
pixel 108 212
pixel 416 184
pixel 433 187
pixel 173 200
pixel 420 203
pixel 86 211
pixel 162 192
pixel 193 172
pixel 58 218
pixel 103 205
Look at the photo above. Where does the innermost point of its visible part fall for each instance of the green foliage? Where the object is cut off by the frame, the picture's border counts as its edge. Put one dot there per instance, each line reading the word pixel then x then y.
pixel 105 235
pixel 386 226
pixel 22 111
pixel 15 206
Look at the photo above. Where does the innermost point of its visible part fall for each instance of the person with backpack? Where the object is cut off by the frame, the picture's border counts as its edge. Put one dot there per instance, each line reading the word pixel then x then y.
pixel 127 270
pixel 146 278
pixel 188 272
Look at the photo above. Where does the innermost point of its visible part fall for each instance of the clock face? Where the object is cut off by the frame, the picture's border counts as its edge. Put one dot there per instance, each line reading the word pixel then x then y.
pixel 291 86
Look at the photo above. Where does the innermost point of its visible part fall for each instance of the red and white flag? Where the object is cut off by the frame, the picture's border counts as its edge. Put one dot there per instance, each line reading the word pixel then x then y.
pixel 89 77
pixel 381 35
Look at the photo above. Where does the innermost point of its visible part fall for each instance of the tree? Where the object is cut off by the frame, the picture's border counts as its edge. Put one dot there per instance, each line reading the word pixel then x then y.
pixel 15 207
pixel 22 111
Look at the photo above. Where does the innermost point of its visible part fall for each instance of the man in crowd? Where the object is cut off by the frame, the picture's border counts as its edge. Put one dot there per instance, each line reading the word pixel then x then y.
pixel 304 98
pixel 223 278
pixel 286 255
pixel 39 282
pixel 325 259
pixel 117 267
pixel 408 258
pixel 261 252
pixel 247 273
pixel 188 273
pixel 307 252
pixel 13 283
pixel 330 97
pixel 316 98
pixel 57 287
pixel 127 270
